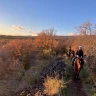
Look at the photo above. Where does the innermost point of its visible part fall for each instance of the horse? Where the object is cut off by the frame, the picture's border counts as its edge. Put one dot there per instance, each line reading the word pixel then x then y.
pixel 77 66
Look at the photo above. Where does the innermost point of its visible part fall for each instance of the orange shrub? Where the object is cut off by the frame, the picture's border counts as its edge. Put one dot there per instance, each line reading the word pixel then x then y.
pixel 16 48
pixel 45 39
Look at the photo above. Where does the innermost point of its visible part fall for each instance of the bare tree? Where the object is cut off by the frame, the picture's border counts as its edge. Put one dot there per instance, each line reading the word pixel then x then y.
pixel 86 28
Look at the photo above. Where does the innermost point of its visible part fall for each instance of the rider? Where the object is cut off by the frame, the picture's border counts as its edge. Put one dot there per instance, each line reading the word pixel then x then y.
pixel 70 51
pixel 79 53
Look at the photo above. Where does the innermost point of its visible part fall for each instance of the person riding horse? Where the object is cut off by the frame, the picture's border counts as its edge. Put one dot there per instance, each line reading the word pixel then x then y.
pixel 80 54
pixel 71 53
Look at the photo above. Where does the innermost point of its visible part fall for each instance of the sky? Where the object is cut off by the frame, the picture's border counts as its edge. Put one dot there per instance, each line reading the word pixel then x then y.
pixel 29 17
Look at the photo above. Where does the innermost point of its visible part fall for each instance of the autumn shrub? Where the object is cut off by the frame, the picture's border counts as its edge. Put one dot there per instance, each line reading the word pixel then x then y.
pixel 16 48
pixel 53 86
pixel 9 67
pixel 19 49
pixel 87 42
pixel 45 39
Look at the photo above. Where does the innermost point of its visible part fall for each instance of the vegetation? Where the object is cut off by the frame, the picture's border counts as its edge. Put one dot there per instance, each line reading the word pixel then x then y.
pixel 23 60
pixel 53 86
pixel 87 28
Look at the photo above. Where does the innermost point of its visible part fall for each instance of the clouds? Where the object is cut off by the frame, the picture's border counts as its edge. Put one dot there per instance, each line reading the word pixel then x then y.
pixel 73 34
pixel 23 31
pixel 15 27
pixel 70 34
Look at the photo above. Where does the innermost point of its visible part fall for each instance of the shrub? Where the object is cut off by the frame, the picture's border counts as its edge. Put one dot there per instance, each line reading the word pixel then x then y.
pixel 16 48
pixel 53 85
pixel 46 54
pixel 31 77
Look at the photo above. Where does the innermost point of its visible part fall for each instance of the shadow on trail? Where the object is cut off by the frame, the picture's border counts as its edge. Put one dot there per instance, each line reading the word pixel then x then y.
pixel 76 88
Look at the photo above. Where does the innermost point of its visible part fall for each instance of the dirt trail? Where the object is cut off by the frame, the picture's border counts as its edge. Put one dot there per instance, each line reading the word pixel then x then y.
pixel 77 89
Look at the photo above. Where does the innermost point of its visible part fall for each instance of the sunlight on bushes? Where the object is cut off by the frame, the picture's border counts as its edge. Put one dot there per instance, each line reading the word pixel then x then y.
pixel 53 85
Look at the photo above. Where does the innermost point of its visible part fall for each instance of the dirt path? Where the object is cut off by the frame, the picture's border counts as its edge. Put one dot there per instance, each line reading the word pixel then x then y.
pixel 76 88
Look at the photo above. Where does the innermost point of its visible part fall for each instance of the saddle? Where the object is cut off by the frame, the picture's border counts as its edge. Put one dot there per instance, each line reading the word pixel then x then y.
pixel 81 61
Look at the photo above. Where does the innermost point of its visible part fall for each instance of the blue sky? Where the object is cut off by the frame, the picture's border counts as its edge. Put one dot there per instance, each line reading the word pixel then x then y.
pixel 27 17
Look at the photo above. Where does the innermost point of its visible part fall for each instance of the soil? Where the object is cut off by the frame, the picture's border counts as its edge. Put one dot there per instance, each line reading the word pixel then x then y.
pixel 77 88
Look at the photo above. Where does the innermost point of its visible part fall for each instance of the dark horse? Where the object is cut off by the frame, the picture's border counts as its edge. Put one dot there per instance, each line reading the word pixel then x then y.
pixel 77 68
pixel 71 53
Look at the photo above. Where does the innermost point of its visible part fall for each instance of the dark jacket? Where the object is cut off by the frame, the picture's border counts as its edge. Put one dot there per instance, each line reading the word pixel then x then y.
pixel 79 53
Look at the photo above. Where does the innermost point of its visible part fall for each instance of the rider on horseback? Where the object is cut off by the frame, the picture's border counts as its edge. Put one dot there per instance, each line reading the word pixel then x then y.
pixel 71 52
pixel 79 53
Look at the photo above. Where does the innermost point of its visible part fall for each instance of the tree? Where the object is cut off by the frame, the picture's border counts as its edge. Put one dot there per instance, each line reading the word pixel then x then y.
pixel 87 28
pixel 45 39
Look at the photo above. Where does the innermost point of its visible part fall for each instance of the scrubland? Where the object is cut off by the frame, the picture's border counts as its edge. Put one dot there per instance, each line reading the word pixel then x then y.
pixel 23 60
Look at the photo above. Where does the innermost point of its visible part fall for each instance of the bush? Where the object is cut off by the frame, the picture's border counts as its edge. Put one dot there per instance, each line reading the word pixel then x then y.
pixel 46 54
pixel 31 78
pixel 53 85
pixel 17 48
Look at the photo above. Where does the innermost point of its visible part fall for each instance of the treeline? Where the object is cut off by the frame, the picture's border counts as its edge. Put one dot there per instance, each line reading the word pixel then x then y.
pixel 15 37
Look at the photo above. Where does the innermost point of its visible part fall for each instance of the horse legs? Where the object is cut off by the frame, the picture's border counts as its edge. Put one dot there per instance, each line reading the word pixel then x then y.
pixel 78 78
pixel 76 75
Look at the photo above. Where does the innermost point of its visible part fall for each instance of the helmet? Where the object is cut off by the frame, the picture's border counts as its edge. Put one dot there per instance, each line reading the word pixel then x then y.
pixel 80 47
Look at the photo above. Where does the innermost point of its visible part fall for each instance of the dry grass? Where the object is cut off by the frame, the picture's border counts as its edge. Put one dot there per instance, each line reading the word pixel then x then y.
pixel 53 86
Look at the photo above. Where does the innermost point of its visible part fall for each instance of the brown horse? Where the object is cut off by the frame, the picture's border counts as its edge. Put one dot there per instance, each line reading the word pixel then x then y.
pixel 77 67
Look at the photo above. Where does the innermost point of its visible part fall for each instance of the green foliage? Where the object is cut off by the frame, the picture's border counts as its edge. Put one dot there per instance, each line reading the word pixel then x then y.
pixel 68 73
pixel 31 78
pixel 84 74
